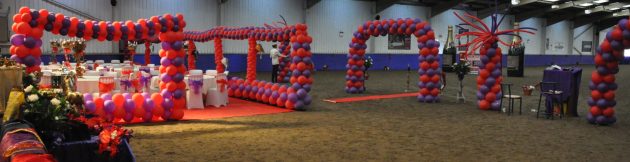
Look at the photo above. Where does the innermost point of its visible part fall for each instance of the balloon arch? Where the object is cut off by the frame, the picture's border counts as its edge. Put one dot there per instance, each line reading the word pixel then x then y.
pixel 29 26
pixel 429 64
pixel 294 41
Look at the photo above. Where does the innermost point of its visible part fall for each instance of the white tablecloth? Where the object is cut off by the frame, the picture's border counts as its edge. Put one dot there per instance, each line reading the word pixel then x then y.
pixel 87 84
pixel 207 82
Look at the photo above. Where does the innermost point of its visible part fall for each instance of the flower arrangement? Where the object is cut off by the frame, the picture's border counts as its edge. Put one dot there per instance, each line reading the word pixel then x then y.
pixel 461 68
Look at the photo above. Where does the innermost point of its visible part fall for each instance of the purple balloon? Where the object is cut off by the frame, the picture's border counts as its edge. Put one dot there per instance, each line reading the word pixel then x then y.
pixel 16 59
pixel 166 94
pixel 17 39
pixel 177 94
pixel 602 103
pixel 90 106
pixel 88 97
pixel 178 61
pixel 429 99
pixel 129 106
pixel 165 78
pixel 127 95
pixel 601 120
pixel 496 73
pixel 166 46
pixel 148 105
pixel 177 45
pixel 178 77
pixel 106 96
pixel 308 100
pixel 38 43
pixel 166 115
pixel 496 105
pixel 109 106
pixel 301 93
pixel 165 61
pixel 484 89
pixel 29 42
pixel 590 101
pixel 29 60
pixel 167 104
pixel 307 87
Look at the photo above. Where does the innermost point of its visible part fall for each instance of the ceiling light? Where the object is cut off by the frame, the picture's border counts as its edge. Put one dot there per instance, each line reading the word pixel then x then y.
pixel 586 4
pixel 551 0
pixel 626 6
pixel 615 14
pixel 600 1
pixel 555 6
pixel 615 8
pixel 515 2
pixel 587 11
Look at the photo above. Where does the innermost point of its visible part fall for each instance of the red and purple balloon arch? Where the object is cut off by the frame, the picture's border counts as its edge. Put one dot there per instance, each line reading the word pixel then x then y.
pixel 294 40
pixel 29 26
pixel 429 65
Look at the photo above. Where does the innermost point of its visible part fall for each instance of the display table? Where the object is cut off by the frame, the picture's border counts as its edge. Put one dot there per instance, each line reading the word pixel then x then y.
pixel 569 84
pixel 88 151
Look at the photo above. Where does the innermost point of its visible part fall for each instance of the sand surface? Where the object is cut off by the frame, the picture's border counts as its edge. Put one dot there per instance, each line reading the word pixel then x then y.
pixel 399 129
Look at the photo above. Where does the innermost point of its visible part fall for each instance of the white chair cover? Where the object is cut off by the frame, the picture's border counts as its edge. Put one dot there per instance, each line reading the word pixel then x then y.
pixel 211 72
pixel 115 61
pixel 195 99
pixel 195 72
pixel 92 73
pixel 216 97
pixel 127 62
pixel 151 65
pixel 226 73
pixel 146 85
pixel 155 84
pixel 89 62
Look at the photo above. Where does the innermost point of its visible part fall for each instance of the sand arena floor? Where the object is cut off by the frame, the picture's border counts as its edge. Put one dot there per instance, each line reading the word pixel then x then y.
pixel 394 129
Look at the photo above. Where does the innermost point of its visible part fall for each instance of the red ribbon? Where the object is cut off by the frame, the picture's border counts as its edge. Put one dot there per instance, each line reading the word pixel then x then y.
pixel 222 83
pixel 105 87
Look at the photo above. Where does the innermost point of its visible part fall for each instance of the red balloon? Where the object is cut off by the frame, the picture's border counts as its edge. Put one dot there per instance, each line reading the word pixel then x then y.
pixel 490 97
pixel 424 78
pixel 595 111
pixel 609 112
pixel 171 70
pixel 424 91
pixel 425 51
pixel 171 86
pixel 484 105
pixel 23 28
pixel 596 95
pixel 435 92
pixel 610 95
pixel 595 77
pixel 605 46
pixel 484 73
pixel 609 78
pixel 617 34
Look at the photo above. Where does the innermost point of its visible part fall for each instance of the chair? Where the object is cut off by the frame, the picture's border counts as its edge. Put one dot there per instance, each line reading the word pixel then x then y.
pixel 154 72
pixel 145 81
pixel 46 81
pixel 100 62
pixel 550 91
pixel 115 61
pixel 194 94
pixel 195 72
pixel 89 62
pixel 92 73
pixel 211 72
pixel 217 91
pixel 511 99
pixel 106 84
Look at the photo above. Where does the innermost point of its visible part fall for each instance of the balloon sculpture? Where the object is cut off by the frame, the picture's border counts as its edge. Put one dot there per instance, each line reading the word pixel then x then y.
pixel 294 96
pixel 429 66
pixel 284 72
pixel 602 84
pixel 489 79
pixel 29 26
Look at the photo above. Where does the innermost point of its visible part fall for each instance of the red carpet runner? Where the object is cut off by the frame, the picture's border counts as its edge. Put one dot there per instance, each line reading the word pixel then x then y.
pixel 235 108
pixel 375 97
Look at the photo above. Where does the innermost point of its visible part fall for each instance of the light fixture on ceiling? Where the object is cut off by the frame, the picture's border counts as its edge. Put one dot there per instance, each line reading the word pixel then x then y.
pixel 626 6
pixel 551 0
pixel 587 11
pixel 600 1
pixel 586 4
pixel 555 6
pixel 515 2
pixel 614 8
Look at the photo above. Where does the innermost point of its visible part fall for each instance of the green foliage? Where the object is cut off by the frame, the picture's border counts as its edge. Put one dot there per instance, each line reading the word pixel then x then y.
pixel 461 68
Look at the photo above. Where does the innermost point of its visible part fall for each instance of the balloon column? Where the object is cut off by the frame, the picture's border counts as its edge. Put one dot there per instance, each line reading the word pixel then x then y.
pixel 602 84
pixel 429 65
pixel 489 79
pixel 29 26
pixel 284 73
pixel 294 96
pixel 172 69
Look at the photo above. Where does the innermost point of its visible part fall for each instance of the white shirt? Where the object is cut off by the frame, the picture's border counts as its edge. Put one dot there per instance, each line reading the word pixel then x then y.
pixel 274 54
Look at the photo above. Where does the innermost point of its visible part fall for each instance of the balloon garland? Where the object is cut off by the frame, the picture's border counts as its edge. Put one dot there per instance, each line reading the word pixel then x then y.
pixel 429 66
pixel 490 77
pixel 29 26
pixel 191 54
pixel 295 41
pixel 602 84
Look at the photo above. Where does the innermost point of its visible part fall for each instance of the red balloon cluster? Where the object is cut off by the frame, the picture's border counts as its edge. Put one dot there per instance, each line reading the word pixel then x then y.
pixel 125 106
pixel 285 62
pixel 293 97
pixel 602 84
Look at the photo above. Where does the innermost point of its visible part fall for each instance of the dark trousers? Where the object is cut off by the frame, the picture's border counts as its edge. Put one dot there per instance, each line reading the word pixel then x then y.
pixel 274 73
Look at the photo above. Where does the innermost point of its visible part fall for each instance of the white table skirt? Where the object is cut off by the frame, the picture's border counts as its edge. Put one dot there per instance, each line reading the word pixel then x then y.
pixel 208 81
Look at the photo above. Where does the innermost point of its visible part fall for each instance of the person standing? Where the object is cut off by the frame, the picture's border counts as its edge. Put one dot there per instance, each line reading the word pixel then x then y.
pixel 275 61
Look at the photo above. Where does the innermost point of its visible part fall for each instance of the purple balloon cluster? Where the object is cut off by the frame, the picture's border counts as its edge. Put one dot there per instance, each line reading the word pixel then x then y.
pixel 29 59
pixel 284 73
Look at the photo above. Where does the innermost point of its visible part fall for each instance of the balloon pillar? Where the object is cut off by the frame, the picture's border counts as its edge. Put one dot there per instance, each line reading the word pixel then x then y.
pixel 147 52
pixel 218 55
pixel 429 65
pixel 602 85
pixel 191 55
pixel 251 59
pixel 284 72
pixel 490 77
pixel 172 69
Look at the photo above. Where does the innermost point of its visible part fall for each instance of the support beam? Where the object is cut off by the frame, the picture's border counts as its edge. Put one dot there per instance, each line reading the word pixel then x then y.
pixel 611 20
pixel 524 2
pixel 490 10
pixel 555 18
pixel 591 18
pixel 311 3
pixel 541 11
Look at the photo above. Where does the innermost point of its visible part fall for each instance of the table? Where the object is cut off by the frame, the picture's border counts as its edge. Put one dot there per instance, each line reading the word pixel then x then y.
pixel 569 84
pixel 207 82
pixel 88 84
pixel 88 151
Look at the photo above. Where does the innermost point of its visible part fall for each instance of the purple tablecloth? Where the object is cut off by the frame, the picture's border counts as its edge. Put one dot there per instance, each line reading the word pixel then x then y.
pixel 88 151
pixel 569 84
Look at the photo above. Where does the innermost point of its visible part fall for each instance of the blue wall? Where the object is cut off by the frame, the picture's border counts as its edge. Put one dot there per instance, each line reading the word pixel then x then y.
pixel 337 61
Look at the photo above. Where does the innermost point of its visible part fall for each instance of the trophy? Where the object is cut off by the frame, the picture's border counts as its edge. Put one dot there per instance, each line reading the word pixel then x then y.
pixel 79 47
pixel 131 46
pixel 55 49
